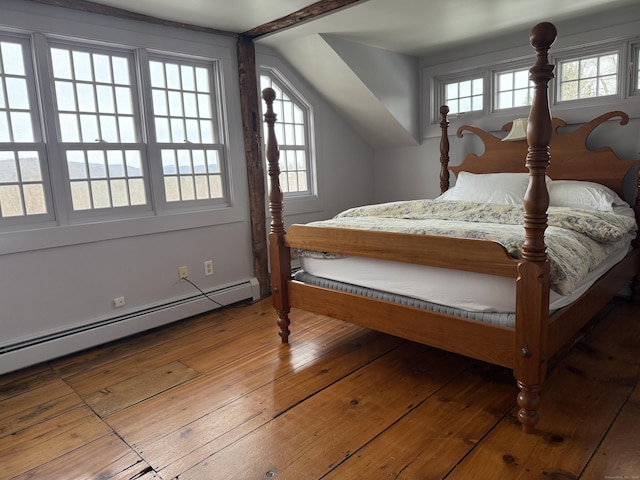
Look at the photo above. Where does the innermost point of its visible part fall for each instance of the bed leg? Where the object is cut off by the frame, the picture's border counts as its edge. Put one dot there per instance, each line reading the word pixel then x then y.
pixel 528 401
pixel 283 324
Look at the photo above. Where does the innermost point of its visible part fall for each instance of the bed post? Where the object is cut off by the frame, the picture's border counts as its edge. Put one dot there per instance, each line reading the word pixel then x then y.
pixel 444 149
pixel 532 285
pixel 279 254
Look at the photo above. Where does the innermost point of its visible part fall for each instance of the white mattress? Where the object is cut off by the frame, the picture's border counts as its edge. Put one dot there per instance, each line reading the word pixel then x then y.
pixel 466 290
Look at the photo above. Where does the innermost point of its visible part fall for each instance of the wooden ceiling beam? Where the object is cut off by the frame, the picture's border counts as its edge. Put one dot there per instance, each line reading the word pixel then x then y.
pixel 305 14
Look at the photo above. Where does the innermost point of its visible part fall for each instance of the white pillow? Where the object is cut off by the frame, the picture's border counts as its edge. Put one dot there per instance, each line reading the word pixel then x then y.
pixel 506 188
pixel 586 195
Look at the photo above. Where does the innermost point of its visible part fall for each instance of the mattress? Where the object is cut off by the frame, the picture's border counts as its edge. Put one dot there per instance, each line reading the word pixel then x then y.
pixel 474 292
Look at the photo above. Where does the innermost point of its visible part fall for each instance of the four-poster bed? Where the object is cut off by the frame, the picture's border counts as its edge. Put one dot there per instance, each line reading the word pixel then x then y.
pixel 536 332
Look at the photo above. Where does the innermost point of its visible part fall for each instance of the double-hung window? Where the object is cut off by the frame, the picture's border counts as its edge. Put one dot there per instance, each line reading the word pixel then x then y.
pixel 98 127
pixel 25 192
pixel 127 132
pixel 187 131
pixel 293 131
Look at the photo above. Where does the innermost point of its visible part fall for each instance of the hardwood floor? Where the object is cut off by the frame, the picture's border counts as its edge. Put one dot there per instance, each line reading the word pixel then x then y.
pixel 217 397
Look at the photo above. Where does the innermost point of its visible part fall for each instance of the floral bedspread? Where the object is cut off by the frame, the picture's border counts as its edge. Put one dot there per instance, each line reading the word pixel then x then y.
pixel 577 240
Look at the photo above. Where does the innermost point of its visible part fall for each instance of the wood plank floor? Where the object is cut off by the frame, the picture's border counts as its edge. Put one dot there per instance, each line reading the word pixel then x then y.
pixel 217 397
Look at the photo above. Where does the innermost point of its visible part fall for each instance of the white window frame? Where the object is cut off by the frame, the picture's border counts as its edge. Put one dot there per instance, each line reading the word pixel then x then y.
pixel 219 145
pixel 495 84
pixel 562 58
pixel 307 110
pixel 444 81
pixel 572 111
pixel 57 144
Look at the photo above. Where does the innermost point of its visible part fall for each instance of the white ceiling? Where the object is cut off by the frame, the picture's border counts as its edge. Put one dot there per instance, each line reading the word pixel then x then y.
pixel 412 27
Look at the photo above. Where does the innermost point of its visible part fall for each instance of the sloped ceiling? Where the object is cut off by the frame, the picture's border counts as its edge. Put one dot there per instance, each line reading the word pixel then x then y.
pixel 364 58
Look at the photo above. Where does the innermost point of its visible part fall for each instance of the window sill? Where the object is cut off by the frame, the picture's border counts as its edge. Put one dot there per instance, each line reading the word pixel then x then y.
pixel 59 236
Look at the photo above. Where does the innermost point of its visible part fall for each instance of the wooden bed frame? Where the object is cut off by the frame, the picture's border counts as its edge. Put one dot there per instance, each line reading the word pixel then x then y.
pixel 537 335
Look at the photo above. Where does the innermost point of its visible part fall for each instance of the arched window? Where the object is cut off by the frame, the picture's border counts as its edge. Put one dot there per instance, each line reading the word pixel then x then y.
pixel 294 134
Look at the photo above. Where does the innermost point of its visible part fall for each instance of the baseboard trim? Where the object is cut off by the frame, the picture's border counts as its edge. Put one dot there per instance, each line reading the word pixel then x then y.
pixel 53 345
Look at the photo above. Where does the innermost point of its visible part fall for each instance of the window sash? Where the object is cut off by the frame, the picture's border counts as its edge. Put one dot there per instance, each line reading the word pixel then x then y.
pixel 186 127
pixel 294 134
pixel 512 88
pixel 589 76
pixel 25 188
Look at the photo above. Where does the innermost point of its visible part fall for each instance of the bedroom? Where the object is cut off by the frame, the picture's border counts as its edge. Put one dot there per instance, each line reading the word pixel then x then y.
pixel 80 277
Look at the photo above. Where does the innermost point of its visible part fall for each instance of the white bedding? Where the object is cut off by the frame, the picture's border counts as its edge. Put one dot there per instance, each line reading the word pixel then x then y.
pixel 466 290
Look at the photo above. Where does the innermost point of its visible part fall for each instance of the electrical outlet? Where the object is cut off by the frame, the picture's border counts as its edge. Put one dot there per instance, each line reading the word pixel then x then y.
pixel 118 302
pixel 183 273
pixel 208 268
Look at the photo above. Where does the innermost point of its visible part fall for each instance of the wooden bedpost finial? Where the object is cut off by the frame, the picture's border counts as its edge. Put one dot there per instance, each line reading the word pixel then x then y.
pixel 444 149
pixel 543 35
pixel 273 156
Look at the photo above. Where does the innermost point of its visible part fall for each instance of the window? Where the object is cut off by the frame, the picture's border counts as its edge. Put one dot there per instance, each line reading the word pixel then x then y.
pixel 513 89
pixel 130 132
pixel 588 77
pixel 97 127
pixel 293 133
pixel 24 193
pixel 186 132
pixel 465 95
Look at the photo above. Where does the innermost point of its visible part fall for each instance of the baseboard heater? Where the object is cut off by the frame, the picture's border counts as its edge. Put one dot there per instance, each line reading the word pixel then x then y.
pixel 52 345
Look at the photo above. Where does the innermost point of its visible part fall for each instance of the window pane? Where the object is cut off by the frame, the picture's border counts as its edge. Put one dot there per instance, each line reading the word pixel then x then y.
pixel 69 128
pixel 5 134
pixel 119 193
pixel 82 66
pixel 9 171
pixel 89 128
pixel 589 77
pixel 76 165
pixel 102 68
pixel 80 196
pixel 137 194
pixel 65 97
pixel 12 61
pixel 17 93
pixel 10 201
pixel 34 199
pixel 589 67
pixel 86 98
pixel 30 170
pixel 521 79
pixel 121 71
pixel 21 125
pixel 61 63
pixel 608 65
pixel 100 194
